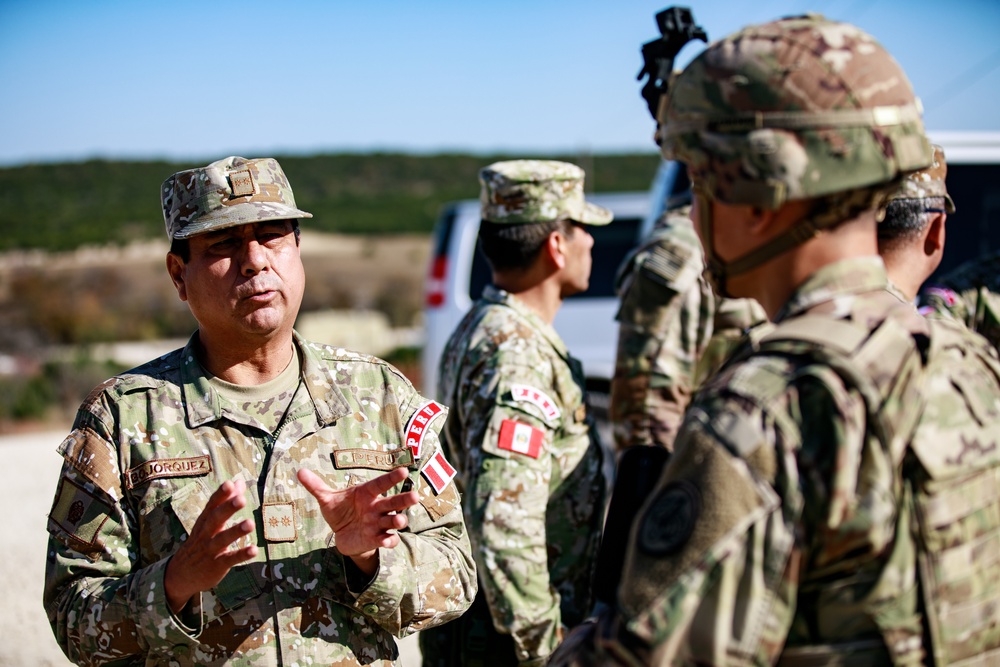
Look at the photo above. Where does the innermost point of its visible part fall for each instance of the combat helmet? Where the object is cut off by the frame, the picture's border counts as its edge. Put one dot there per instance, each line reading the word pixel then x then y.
pixel 798 108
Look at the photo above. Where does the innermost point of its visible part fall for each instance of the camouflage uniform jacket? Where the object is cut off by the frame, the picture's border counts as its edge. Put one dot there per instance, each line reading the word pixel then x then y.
pixel 970 294
pixel 782 530
pixel 150 446
pixel 674 332
pixel 530 469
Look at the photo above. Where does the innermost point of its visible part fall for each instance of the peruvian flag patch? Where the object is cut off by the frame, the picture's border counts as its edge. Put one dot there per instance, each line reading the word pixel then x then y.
pixel 416 428
pixel 521 438
pixel 438 472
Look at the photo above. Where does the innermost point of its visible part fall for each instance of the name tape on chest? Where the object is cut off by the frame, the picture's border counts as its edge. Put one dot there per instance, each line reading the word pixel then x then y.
pixel 438 472
pixel 521 438
pixel 416 428
pixel 371 459
pixel 159 468
pixel 538 398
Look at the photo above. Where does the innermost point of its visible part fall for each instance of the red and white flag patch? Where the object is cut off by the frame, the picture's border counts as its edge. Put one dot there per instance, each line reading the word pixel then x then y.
pixel 416 428
pixel 521 438
pixel 438 472
pixel 537 397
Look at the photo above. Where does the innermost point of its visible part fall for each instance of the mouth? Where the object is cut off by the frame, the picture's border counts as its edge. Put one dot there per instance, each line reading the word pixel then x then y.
pixel 259 294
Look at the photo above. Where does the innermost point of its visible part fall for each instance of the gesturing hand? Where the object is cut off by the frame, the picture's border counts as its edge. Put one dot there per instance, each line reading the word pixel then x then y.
pixel 205 557
pixel 362 519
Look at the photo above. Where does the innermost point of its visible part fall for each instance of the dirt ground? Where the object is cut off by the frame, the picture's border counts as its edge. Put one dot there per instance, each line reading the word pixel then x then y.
pixel 27 482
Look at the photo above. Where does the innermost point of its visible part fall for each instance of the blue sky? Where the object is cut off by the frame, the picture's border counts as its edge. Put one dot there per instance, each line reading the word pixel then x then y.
pixel 200 80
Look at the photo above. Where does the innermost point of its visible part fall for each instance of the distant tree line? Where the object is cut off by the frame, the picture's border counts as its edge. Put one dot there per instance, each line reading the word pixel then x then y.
pixel 63 206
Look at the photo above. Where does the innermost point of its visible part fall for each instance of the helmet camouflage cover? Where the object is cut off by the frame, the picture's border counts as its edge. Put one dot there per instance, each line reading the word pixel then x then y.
pixel 797 108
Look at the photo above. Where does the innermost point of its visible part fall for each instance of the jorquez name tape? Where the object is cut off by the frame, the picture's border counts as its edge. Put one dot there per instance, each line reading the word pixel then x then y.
pixel 159 468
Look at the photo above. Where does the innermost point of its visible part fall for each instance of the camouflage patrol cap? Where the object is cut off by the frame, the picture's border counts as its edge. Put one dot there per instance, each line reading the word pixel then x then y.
pixel 229 192
pixel 929 182
pixel 524 191
pixel 797 108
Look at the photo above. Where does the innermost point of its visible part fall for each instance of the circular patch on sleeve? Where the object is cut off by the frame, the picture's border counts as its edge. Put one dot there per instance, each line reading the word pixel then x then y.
pixel 669 521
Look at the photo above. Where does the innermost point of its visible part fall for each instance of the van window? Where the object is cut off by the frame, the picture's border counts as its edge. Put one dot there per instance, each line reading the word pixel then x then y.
pixel 974 228
pixel 611 244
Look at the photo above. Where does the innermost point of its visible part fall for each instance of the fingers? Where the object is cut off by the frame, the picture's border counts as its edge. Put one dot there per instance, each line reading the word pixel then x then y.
pixel 227 500
pixel 396 503
pixel 383 483
pixel 313 484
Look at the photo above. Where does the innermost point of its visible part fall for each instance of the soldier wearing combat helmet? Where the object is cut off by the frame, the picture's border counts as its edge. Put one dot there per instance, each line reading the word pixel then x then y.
pixel 823 503
pixel 524 444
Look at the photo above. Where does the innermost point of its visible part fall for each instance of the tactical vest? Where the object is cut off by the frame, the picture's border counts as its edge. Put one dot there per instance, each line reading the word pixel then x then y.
pixel 936 411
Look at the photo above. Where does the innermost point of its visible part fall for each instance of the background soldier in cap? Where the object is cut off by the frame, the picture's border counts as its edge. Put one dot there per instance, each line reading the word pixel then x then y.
pixel 912 234
pixel 252 498
pixel 831 486
pixel 519 433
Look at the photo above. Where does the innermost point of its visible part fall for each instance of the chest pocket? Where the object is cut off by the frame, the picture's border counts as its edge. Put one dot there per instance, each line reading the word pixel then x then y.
pixel 170 513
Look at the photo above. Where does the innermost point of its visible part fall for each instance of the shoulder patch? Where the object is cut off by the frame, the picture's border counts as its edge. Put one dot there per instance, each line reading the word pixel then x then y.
pixel 521 438
pixel 416 427
pixel 78 513
pixel 670 519
pixel 438 472
pixel 538 398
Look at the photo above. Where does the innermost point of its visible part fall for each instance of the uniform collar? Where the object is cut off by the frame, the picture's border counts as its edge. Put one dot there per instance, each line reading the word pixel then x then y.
pixel 203 404
pixel 840 280
pixel 493 294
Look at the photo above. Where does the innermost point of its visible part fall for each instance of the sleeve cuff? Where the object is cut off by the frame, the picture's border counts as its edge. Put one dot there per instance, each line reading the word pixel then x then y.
pixel 158 625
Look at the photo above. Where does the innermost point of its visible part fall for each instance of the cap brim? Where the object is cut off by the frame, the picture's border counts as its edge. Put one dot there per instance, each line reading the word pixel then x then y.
pixel 210 223
pixel 593 214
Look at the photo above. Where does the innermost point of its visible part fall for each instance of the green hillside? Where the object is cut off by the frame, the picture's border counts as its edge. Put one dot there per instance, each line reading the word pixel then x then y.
pixel 63 206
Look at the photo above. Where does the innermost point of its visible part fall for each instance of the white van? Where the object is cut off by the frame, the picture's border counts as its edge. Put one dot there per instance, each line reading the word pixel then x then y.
pixel 586 321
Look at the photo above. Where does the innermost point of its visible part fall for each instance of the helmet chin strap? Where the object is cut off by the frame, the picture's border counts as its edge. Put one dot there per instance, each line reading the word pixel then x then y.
pixel 718 271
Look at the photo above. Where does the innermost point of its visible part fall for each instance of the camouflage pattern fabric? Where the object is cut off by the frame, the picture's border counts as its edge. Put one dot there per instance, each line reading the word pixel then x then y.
pixel 150 446
pixel 805 502
pixel 534 511
pixel 971 295
pixel 927 183
pixel 531 191
pixel 673 333
pixel 793 109
pixel 229 192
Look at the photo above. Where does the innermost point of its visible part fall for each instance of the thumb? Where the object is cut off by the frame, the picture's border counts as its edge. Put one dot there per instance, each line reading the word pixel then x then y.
pixel 314 484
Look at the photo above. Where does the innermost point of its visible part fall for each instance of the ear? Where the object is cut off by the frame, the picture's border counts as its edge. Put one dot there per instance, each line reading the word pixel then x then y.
pixel 761 220
pixel 555 249
pixel 175 267
pixel 935 236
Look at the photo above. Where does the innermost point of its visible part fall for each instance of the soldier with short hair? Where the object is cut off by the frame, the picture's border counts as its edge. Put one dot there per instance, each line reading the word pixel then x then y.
pixel 911 235
pixel 519 433
pixel 253 498
pixel 833 489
